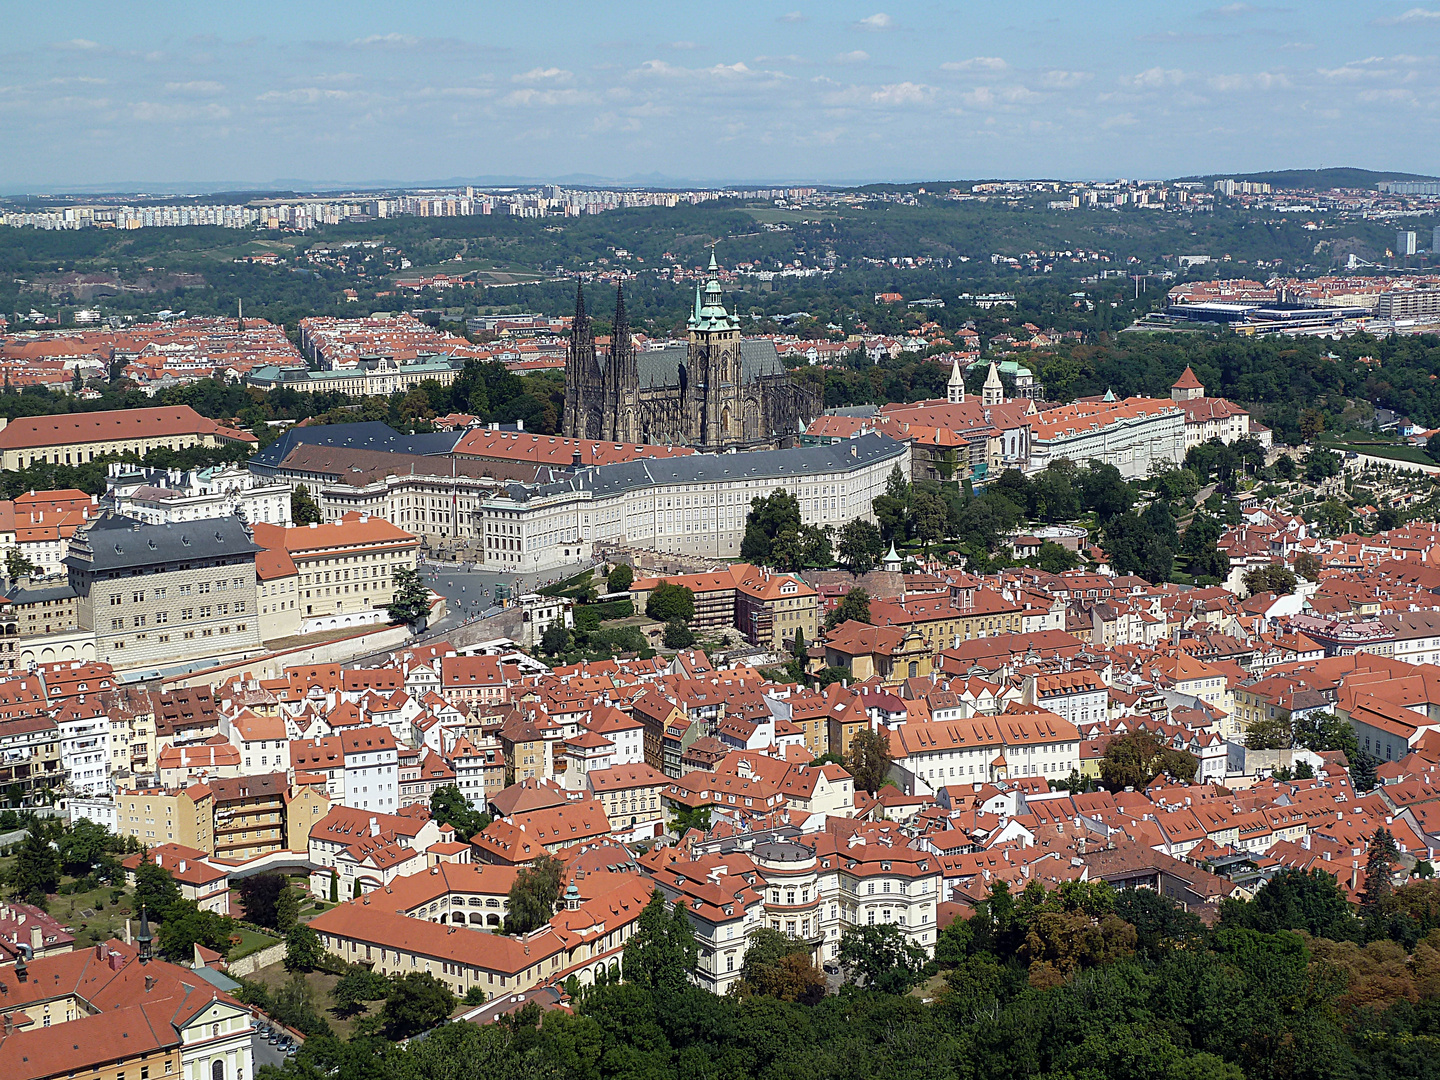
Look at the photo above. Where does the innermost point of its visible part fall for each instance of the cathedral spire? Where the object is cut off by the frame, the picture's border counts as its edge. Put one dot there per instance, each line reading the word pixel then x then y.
pixel 622 324
pixel 579 306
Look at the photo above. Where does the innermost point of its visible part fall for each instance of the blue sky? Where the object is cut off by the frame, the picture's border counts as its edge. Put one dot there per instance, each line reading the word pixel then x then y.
pixel 317 92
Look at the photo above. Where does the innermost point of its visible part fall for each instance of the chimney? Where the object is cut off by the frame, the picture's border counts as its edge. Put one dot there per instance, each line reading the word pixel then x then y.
pixel 149 983
pixel 37 940
pixel 374 826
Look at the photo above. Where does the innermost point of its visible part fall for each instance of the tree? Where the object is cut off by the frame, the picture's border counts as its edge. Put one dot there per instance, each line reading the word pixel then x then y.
pixel 678 635
pixel 534 894
pixel 779 966
pixel 1378 893
pixel 1159 922
pixel 1270 733
pixel 1055 559
pixel 294 1004
pixel 303 951
pixel 259 898
pixel 869 761
pixel 37 865
pixel 854 606
pixel 84 847
pixel 883 956
pixel 18 564
pixel 410 599
pixel 891 509
pixel 357 986
pixel 303 508
pixel 186 926
pixel 771 517
pixel 670 601
pixel 816 542
pixel 661 954
pixel 417 1001
pixel 620 579
pixel 1307 564
pixel 1321 464
pixel 1272 577
pixel 1321 732
pixel 449 806
pixel 929 513
pixel 1294 900
pixel 155 889
pixel 860 546
pixel 1362 770
pixel 287 909
pixel 556 639
pixel 1135 759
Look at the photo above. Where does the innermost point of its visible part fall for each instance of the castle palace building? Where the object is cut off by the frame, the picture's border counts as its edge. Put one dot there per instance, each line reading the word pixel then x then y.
pixel 716 392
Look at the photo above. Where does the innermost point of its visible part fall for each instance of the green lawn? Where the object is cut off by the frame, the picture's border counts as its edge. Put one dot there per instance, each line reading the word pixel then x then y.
pixel 1379 449
pixel 250 942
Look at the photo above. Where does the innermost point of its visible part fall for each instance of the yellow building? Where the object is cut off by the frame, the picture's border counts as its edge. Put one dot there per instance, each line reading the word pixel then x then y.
pixel 168 816
pixel 945 622
pixel 305 806
pixel 769 608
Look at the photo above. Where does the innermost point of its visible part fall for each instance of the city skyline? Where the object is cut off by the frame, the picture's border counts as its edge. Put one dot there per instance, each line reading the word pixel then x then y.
pixel 839 93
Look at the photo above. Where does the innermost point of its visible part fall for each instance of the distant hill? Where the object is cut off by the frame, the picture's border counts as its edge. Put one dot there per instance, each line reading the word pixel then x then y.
pixel 1315 178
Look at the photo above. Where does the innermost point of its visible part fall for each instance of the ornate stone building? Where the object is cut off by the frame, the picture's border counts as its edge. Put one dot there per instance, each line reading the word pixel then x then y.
pixel 716 392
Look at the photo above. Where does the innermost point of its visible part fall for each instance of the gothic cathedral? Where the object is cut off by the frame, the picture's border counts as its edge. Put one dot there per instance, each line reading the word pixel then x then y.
pixel 716 392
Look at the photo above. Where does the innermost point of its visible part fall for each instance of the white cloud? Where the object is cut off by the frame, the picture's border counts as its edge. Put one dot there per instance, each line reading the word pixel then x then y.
pixel 858 56
pixel 682 45
pixel 386 41
pixel 1154 78
pixel 975 63
pixel 1064 80
pixel 78 44
pixel 792 17
pixel 198 86
pixel 545 75
pixel 531 96
pixel 1260 80
pixel 877 22
pixel 305 95
pixel 1414 15
pixel 905 93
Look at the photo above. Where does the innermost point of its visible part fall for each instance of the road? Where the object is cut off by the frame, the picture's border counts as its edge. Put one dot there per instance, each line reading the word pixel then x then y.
pixel 470 592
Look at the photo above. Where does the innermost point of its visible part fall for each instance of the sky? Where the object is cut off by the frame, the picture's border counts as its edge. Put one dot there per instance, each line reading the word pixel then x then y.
pixel 314 93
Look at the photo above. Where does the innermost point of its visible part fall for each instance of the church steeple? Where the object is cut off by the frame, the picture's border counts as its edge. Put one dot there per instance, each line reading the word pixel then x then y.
pixel 955 389
pixel 993 392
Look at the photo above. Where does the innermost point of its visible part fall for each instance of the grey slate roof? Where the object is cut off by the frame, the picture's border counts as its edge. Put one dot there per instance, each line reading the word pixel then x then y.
pixel 121 543
pixel 796 463
pixel 39 594
pixel 369 435
pixel 661 367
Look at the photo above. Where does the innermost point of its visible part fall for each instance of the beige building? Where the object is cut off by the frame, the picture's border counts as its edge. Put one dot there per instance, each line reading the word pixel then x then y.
pixel 277 592
pixel 345 568
pixel 73 438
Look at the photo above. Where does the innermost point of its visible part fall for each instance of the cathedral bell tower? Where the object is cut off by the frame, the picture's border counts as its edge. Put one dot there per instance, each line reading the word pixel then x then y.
pixel 714 390
pixel 582 374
